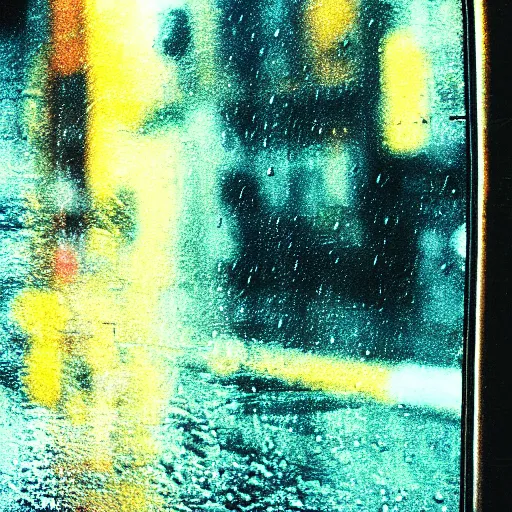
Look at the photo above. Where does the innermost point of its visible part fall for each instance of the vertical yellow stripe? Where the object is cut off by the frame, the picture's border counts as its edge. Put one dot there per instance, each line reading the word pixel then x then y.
pixel 128 80
pixel 43 316
pixel 405 75
pixel 482 106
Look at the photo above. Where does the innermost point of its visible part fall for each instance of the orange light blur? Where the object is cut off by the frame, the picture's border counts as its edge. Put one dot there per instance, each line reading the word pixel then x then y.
pixel 65 264
pixel 68 39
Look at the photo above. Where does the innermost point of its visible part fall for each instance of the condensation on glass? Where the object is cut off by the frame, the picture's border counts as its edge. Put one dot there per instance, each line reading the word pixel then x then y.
pixel 232 255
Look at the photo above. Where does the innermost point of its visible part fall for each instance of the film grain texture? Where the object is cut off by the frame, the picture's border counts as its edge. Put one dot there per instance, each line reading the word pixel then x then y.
pixel 232 255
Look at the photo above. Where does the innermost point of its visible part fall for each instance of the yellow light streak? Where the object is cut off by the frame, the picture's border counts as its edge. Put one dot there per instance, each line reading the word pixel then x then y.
pixel 405 77
pixel 323 373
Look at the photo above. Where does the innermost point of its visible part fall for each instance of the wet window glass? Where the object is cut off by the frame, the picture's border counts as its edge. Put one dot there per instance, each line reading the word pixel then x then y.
pixel 233 253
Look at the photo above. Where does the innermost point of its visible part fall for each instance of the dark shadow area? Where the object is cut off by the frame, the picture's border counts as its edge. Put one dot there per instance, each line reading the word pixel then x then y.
pixel 496 383
pixel 12 15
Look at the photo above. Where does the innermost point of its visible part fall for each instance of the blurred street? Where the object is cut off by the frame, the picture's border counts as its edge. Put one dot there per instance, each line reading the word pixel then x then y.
pixel 244 441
